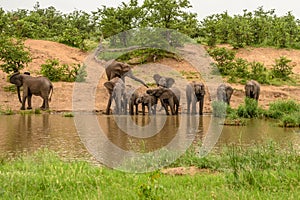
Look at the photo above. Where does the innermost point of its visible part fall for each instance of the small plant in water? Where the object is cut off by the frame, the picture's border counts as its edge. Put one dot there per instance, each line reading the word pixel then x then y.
pixel 68 114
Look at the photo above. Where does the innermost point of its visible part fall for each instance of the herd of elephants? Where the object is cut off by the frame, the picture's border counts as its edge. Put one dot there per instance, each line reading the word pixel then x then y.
pixel 127 99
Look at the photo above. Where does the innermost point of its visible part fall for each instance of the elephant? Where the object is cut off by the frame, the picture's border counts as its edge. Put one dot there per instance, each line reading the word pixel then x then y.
pixel 38 86
pixel 163 81
pixel 195 92
pixel 167 98
pixel 133 103
pixel 149 101
pixel 224 93
pixel 119 69
pixel 252 89
pixel 116 90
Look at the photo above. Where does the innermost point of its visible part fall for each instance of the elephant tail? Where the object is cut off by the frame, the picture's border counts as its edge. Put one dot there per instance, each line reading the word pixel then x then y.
pixel 51 90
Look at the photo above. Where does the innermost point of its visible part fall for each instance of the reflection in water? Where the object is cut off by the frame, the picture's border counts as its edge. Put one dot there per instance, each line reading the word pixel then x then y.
pixel 142 134
pixel 28 133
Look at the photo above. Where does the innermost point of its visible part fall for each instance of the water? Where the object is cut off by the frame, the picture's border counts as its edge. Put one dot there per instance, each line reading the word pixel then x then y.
pixel 28 133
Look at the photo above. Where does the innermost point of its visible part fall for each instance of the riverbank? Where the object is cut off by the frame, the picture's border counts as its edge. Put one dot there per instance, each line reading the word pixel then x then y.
pixel 63 92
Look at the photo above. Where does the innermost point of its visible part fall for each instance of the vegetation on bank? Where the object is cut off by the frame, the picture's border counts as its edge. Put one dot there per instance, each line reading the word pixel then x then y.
pixel 238 70
pixel 287 112
pixel 266 171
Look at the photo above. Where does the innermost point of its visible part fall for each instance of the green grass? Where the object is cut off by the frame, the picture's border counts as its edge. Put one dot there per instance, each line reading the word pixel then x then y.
pixel 260 172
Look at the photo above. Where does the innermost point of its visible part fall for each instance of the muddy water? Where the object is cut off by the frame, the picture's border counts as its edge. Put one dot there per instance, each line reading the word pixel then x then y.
pixel 27 133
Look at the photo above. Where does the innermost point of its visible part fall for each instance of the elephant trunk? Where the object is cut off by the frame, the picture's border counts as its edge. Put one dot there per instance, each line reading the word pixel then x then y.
pixel 19 95
pixel 130 75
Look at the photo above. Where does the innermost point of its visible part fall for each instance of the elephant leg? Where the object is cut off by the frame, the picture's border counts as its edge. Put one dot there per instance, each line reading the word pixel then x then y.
pixel 201 103
pixel 131 112
pixel 165 106
pixel 29 102
pixel 136 109
pixel 143 108
pixel 194 107
pixel 154 109
pixel 172 106
pixel 149 109
pixel 188 106
pixel 108 105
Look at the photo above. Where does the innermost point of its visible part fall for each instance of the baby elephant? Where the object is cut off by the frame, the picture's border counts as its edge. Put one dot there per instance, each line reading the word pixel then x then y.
pixel 167 99
pixel 252 89
pixel 149 101
pixel 224 93
pixel 195 93
pixel 38 86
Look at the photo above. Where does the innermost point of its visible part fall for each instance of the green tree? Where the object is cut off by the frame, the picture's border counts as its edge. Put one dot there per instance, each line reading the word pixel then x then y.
pixel 13 54
pixel 119 20
pixel 170 14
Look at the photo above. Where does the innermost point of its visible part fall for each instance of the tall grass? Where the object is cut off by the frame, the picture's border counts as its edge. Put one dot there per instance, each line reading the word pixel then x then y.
pixel 258 172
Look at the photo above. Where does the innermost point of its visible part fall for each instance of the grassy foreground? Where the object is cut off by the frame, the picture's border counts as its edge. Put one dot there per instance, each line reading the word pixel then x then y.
pixel 261 172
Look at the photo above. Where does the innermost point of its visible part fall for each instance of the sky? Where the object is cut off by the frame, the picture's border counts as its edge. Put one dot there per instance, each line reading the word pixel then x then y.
pixel 203 8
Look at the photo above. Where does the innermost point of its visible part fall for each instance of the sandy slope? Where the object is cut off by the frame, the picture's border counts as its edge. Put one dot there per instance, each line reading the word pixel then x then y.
pixel 62 97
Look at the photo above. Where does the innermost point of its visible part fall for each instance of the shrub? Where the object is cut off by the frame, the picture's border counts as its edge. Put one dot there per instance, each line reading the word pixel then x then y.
pixel 14 56
pixel 279 108
pixel 224 59
pixel 258 72
pixel 219 108
pixel 54 72
pixel 290 120
pixel 249 109
pixel 282 68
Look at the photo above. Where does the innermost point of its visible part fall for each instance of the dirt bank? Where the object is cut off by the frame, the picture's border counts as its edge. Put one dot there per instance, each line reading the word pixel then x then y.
pixel 62 96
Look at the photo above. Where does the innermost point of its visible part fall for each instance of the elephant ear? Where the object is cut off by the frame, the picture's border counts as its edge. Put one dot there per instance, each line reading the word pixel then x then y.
pixel 156 77
pixel 170 82
pixel 109 85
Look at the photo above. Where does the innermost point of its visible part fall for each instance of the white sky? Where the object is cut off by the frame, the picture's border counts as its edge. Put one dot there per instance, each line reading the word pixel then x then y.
pixel 203 8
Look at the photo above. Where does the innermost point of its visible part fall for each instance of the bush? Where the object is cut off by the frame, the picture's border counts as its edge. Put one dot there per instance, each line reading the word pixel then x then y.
pixel 282 68
pixel 249 109
pixel 219 108
pixel 14 56
pixel 290 120
pixel 67 73
pixel 280 108
pixel 224 59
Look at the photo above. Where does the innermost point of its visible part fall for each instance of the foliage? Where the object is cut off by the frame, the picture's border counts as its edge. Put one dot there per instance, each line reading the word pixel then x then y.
pixel 14 55
pixel 52 70
pixel 235 172
pixel 219 108
pixel 282 68
pixel 224 59
pixel 279 108
pixel 257 28
pixel 249 109
pixel 68 114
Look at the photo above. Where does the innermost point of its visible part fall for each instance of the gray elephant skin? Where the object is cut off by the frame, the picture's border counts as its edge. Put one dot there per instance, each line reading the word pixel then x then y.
pixel 224 93
pixel 116 90
pixel 195 93
pixel 167 98
pixel 38 86
pixel 163 81
pixel 252 89
pixel 120 70
pixel 148 101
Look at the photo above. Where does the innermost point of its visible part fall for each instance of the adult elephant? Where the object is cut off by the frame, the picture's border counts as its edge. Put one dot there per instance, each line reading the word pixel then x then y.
pixel 163 81
pixel 38 86
pixel 120 70
pixel 148 101
pixel 195 92
pixel 116 90
pixel 167 99
pixel 224 93
pixel 252 89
